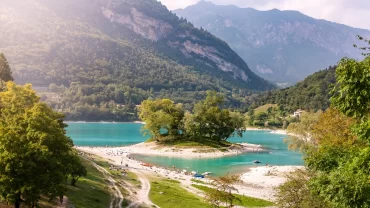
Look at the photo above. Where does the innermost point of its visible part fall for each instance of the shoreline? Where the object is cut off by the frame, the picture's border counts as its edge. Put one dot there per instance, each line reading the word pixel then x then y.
pixel 259 182
pixel 106 122
pixel 153 149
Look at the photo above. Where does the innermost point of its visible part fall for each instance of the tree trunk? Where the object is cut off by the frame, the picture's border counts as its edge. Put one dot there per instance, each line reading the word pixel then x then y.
pixel 17 203
pixel 73 182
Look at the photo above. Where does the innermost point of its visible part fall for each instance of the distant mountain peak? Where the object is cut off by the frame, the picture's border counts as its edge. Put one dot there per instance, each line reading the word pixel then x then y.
pixel 281 46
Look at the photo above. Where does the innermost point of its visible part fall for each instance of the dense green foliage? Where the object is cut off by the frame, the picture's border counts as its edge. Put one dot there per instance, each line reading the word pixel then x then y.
pixel 296 193
pixel 166 121
pixel 36 156
pixel 94 65
pixel 312 94
pixel 337 151
pixel 162 117
pixel 269 116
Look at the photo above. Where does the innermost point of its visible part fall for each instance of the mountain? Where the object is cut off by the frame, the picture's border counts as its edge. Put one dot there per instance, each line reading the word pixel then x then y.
pixel 311 94
pixel 122 37
pixel 98 53
pixel 281 46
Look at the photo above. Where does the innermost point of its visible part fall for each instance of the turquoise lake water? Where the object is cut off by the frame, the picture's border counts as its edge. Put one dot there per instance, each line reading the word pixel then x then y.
pixel 120 134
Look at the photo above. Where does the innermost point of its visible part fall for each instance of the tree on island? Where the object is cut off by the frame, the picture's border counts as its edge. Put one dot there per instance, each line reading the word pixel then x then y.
pixel 162 118
pixel 35 153
pixel 210 122
pixel 207 122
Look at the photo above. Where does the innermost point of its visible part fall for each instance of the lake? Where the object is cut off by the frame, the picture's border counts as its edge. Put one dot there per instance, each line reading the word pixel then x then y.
pixel 120 134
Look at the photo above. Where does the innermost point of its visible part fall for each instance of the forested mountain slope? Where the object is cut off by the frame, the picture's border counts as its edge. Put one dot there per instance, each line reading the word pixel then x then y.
pixel 100 53
pixel 281 46
pixel 312 94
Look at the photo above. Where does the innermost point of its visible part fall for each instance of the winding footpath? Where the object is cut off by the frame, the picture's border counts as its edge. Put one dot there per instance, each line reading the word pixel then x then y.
pixel 117 193
pixel 143 193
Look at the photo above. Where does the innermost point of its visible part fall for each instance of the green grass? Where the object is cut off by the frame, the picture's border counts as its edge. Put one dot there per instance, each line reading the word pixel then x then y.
pixel 264 108
pixel 130 177
pixel 204 144
pixel 90 191
pixel 244 200
pixel 173 196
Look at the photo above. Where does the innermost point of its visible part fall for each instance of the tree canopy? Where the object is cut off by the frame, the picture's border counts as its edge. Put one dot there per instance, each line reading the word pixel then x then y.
pixel 338 152
pixel 35 151
pixel 5 71
pixel 162 117
pixel 165 120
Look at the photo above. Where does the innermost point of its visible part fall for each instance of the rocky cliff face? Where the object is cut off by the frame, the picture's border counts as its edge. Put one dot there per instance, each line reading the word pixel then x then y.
pixel 186 39
pixel 282 46
pixel 148 27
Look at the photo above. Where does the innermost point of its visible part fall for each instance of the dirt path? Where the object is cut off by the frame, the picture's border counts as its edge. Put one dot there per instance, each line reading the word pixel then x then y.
pixel 143 193
pixel 64 204
pixel 117 193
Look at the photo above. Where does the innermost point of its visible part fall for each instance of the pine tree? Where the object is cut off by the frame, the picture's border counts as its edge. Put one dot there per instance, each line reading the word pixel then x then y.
pixel 5 71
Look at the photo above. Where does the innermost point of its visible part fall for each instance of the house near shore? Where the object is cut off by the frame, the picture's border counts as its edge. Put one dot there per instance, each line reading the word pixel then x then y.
pixel 297 113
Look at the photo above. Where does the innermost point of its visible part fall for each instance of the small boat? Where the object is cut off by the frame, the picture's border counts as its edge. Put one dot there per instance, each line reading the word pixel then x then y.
pixel 147 165
pixel 207 173
pixel 198 176
pixel 256 161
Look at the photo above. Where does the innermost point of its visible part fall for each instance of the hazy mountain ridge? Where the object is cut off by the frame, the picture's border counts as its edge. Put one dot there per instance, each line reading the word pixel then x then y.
pixel 282 46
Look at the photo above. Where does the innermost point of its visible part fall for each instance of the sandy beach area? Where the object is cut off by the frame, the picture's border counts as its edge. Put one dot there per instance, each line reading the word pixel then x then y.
pixel 257 182
pixel 191 152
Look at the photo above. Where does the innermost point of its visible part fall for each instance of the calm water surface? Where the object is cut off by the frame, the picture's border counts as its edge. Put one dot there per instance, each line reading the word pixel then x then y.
pixel 105 134
pixel 119 134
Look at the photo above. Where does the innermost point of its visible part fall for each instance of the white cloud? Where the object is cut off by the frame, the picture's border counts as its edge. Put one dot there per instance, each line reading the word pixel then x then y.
pixel 355 13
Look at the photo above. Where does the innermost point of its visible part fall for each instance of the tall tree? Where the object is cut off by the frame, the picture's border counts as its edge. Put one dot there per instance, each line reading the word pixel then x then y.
pixel 162 118
pixel 210 122
pixel 5 71
pixel 35 151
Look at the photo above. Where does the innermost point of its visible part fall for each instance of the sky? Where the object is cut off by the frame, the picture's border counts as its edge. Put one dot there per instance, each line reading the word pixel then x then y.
pixel 355 13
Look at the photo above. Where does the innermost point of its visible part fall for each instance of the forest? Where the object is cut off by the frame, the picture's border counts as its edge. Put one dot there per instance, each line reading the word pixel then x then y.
pixel 92 64
pixel 311 94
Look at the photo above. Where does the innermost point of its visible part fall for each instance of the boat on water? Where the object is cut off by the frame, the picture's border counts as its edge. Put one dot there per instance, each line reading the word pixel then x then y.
pixel 256 161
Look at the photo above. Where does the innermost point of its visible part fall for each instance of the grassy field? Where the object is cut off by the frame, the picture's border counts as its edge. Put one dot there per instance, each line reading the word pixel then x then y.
pixel 244 200
pixel 169 194
pixel 91 191
pixel 264 108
